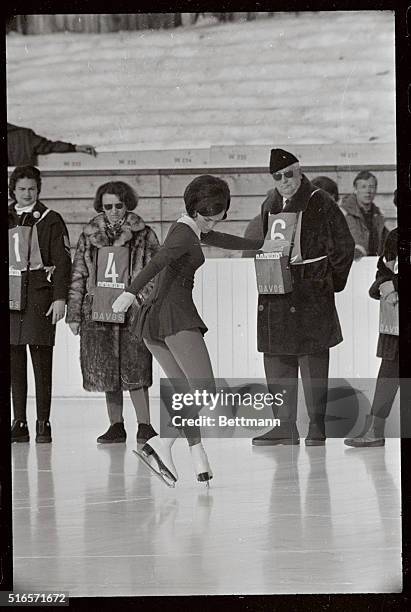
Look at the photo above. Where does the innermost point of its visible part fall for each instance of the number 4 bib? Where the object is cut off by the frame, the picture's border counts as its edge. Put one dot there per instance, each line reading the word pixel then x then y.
pixel 112 276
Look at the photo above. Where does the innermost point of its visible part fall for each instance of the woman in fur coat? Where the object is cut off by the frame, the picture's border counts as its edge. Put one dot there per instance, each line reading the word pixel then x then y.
pixel 112 360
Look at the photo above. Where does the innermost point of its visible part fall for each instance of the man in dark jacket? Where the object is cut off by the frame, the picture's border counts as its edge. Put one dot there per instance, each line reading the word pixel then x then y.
pixel 296 329
pixel 364 218
pixel 24 145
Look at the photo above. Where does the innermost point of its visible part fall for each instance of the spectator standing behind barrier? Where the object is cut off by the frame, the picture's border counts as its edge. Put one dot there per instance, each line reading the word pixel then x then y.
pixel 385 287
pixel 39 260
pixel 254 229
pixel 24 145
pixel 112 360
pixel 364 218
pixel 330 186
pixel 296 329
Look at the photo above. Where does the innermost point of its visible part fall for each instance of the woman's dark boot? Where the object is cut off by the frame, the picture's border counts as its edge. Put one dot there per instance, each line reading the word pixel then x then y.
pixel 144 433
pixel 114 434
pixel 20 431
pixel 43 432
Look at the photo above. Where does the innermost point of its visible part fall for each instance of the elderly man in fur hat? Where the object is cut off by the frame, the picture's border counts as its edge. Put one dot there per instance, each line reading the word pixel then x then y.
pixel 298 324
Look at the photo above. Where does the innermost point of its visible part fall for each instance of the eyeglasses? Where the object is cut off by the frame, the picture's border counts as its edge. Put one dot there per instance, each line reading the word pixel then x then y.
pixel 287 174
pixel 118 205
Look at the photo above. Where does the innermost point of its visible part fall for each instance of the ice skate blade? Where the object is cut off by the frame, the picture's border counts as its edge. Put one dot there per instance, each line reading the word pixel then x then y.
pixel 159 469
pixel 204 477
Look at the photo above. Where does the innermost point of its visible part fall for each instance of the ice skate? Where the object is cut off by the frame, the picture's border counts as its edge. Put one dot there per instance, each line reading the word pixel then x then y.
pixel 201 465
pixel 156 455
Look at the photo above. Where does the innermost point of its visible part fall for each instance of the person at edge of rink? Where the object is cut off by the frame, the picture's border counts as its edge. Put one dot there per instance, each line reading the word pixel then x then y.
pixel 169 322
pixel 111 358
pixel 385 287
pixel 39 260
pixel 24 145
pixel 295 330
pixel 254 228
pixel 365 220
pixel 328 185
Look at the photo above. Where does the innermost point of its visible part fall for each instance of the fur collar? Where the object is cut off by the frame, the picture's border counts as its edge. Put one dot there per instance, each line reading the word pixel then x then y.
pixel 95 230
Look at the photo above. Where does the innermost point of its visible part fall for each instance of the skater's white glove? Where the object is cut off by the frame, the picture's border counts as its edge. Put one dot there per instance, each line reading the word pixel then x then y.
pixel 123 302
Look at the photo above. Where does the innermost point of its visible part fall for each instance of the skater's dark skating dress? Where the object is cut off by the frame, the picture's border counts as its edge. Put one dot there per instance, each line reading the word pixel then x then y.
pixel 170 307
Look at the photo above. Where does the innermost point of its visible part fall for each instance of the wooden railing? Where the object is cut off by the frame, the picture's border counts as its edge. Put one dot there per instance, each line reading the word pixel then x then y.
pixel 160 177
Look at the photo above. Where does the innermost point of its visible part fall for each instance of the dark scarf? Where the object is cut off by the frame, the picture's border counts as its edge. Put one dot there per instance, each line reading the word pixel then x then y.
pixel 113 230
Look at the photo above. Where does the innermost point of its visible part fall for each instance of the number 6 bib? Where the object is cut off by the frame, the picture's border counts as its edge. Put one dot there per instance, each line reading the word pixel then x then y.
pixel 273 269
pixel 112 276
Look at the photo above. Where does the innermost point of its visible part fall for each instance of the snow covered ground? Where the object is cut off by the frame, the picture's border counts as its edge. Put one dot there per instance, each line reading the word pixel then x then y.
pixel 324 77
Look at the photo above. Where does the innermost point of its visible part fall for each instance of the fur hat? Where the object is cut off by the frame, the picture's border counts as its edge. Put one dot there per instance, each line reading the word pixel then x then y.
pixel 280 159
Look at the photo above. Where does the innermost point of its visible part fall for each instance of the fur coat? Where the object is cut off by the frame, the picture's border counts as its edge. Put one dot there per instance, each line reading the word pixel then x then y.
pixel 111 357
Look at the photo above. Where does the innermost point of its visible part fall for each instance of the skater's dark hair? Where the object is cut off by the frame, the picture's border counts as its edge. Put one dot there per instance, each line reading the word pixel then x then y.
pixel 207 195
pixel 330 186
pixel 21 172
pixel 123 191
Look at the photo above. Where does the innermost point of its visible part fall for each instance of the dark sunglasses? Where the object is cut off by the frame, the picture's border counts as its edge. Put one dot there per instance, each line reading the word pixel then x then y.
pixel 118 205
pixel 287 174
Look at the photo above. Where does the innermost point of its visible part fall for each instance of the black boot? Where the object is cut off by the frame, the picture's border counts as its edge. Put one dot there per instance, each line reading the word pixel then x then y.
pixel 287 433
pixel 144 433
pixel 43 432
pixel 20 431
pixel 316 433
pixel 372 435
pixel 114 434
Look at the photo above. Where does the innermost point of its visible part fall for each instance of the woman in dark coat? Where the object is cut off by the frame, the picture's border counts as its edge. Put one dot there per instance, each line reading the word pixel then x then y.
pixel 112 360
pixel 385 287
pixel 39 260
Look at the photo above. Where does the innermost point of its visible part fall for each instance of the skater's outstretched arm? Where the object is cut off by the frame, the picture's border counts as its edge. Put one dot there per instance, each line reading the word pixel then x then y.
pixel 176 244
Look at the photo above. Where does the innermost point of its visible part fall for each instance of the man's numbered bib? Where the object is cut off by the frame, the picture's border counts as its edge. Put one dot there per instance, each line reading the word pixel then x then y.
pixel 111 279
pixel 272 269
pixel 19 244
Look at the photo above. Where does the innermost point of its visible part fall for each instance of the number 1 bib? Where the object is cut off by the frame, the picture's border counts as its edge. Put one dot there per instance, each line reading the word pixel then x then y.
pixel 112 276
pixel 24 255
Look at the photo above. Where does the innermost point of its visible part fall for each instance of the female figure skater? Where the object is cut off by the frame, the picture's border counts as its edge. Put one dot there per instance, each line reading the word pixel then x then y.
pixel 112 360
pixel 39 260
pixel 172 328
